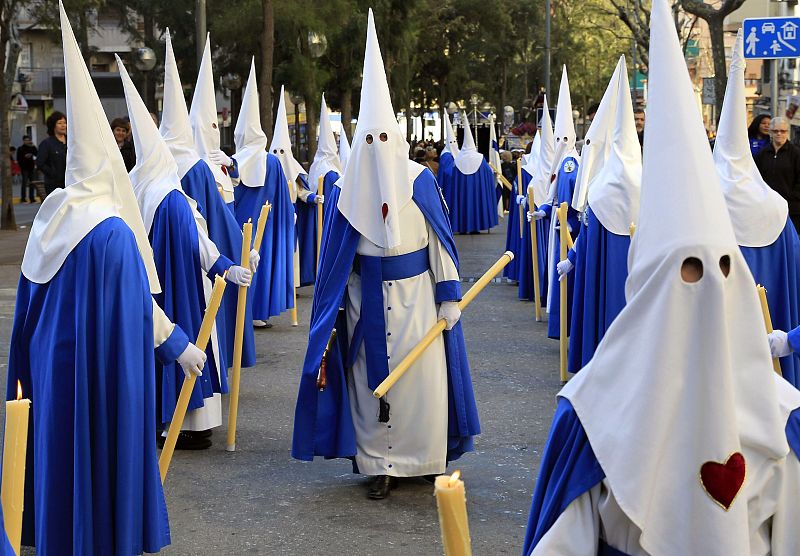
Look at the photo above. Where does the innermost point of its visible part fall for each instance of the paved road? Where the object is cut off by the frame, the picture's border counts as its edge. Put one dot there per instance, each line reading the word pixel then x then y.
pixel 260 501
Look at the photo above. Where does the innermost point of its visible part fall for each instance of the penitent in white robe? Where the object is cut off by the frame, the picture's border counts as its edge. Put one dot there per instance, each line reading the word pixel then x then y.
pixel 414 440
pixel 771 491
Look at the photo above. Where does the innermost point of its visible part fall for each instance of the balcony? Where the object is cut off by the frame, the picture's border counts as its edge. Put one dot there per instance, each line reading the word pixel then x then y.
pixel 37 82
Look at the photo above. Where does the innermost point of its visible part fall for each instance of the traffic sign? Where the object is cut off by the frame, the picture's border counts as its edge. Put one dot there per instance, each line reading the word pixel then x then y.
pixel 771 37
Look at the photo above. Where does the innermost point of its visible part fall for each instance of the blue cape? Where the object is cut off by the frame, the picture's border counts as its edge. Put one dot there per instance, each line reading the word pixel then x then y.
pixel 525 269
pixel 446 165
pixel 565 189
pixel 473 207
pixel 601 268
pixel 199 184
pixel 512 231
pixel 177 257
pixel 569 468
pixel 777 268
pixel 273 282
pixel 82 347
pixel 307 236
pixel 323 425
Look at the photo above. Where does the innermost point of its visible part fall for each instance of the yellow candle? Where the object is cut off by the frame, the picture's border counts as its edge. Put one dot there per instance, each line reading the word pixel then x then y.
pixel 15 444
pixel 262 223
pixel 762 297
pixel 451 500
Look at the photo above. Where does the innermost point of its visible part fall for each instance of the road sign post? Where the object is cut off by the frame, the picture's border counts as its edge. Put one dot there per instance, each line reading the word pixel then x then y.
pixel 772 38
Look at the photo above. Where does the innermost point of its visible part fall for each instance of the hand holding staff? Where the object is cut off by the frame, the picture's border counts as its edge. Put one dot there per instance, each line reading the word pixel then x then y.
pixel 564 243
pixel 438 328
pixel 233 406
pixel 762 296
pixel 188 383
pixel 537 296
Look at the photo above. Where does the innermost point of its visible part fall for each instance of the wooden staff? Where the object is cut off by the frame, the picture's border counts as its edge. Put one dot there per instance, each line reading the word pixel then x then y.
pixel 439 327
pixel 262 224
pixel 501 177
pixel 297 270
pixel 519 191
pixel 188 383
pixel 233 404
pixel 537 298
pixel 319 217
pixel 762 296
pixel 562 284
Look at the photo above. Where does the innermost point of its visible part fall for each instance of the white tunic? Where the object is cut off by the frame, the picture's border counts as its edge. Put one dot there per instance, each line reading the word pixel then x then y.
pixel 771 491
pixel 414 441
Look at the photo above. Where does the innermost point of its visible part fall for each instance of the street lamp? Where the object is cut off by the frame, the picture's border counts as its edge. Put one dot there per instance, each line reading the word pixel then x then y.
pixel 296 100
pixel 317 44
pixel 144 59
pixel 232 82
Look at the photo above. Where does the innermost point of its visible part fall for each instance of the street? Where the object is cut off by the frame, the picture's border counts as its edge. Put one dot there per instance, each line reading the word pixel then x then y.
pixel 260 501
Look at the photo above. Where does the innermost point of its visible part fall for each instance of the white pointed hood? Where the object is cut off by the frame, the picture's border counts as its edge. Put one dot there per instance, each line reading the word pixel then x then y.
pixel 344 148
pixel 327 158
pixel 376 182
pixel 564 130
pixel 758 212
pixel 614 192
pixel 468 160
pixel 494 148
pixel 542 176
pixel 597 143
pixel 531 160
pixel 97 186
pixel 281 145
pixel 155 173
pixel 450 141
pixel 205 124
pixel 175 126
pixel 656 411
pixel 250 140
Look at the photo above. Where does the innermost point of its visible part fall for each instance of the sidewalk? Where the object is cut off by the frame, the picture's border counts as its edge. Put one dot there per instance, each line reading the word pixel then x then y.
pixel 12 244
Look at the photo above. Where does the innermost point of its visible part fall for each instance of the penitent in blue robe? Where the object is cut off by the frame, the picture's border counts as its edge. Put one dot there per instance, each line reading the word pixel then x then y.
pixel 82 348
pixel 777 268
pixel 601 268
pixel 474 200
pixel 272 285
pixel 176 252
pixel 525 269
pixel 328 186
pixel 323 424
pixel 569 468
pixel 307 235
pixel 199 184
pixel 443 176
pixel 565 189
pixel 513 240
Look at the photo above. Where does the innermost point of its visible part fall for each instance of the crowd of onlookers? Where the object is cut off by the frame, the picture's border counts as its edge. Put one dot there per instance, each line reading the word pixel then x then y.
pixel 46 164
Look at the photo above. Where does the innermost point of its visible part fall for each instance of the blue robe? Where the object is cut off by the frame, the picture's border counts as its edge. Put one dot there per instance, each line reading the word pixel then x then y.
pixel 525 265
pixel 513 240
pixel 328 185
pixel 443 176
pixel 82 347
pixel 176 252
pixel 323 424
pixel 565 189
pixel 199 184
pixel 601 268
pixel 272 287
pixel 569 468
pixel 307 235
pixel 474 200
pixel 777 268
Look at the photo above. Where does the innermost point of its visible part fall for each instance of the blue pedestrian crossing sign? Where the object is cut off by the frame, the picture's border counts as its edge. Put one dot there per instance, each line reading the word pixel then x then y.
pixel 771 37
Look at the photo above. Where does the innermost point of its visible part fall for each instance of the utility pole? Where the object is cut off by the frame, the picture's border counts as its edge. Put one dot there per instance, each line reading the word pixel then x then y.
pixel 547 50
pixel 200 28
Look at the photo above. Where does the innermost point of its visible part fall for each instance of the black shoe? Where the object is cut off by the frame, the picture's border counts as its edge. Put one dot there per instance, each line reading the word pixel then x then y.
pixel 203 434
pixel 262 324
pixel 381 486
pixel 430 478
pixel 188 440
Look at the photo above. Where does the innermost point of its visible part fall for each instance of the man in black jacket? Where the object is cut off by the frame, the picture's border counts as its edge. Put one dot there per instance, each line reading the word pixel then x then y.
pixel 26 158
pixel 779 164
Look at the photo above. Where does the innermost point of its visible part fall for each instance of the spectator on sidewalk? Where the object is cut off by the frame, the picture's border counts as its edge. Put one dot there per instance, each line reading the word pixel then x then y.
pixel 758 133
pixel 26 158
pixel 779 164
pixel 638 120
pixel 52 158
pixel 121 129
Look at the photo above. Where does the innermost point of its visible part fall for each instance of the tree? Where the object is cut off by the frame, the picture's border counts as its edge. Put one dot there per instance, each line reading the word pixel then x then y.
pixel 714 16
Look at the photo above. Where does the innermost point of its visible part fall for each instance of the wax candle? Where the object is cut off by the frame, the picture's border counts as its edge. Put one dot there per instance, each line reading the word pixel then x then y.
pixel 451 500
pixel 15 444
pixel 262 223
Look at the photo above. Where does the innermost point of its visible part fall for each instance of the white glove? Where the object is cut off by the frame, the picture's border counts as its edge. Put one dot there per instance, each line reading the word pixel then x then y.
pixel 219 157
pixel 192 360
pixel 536 215
pixel 520 199
pixel 319 199
pixel 239 275
pixel 255 258
pixel 564 268
pixel 779 344
pixel 450 312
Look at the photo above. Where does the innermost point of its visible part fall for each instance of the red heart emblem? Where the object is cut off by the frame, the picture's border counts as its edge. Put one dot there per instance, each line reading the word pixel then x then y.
pixel 723 481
